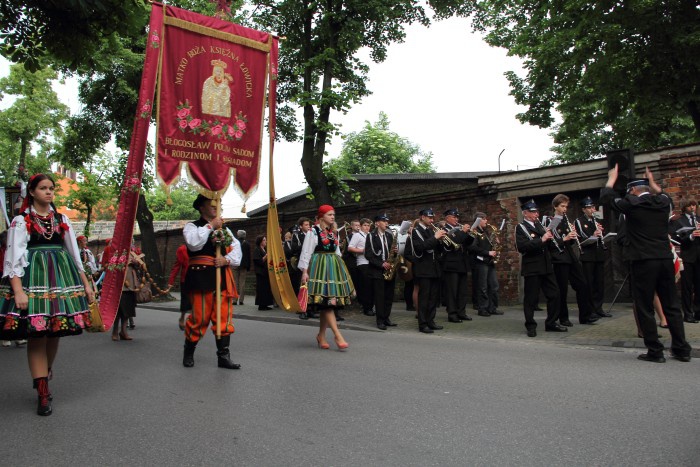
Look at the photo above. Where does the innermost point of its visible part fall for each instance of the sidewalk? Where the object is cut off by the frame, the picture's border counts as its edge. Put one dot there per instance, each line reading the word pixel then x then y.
pixel 618 331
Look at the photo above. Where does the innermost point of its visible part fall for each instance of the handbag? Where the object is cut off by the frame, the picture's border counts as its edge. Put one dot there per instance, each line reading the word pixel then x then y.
pixel 144 295
pixel 303 297
pixel 95 318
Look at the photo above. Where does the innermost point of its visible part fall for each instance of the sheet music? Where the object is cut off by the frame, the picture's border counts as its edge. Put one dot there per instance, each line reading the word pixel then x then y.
pixel 609 236
pixel 477 223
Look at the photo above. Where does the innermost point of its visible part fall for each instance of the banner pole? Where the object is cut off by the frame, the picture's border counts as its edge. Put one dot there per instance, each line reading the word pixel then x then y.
pixel 218 278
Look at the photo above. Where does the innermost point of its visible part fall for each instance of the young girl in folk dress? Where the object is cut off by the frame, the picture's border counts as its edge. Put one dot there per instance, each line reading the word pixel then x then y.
pixel 44 292
pixel 324 272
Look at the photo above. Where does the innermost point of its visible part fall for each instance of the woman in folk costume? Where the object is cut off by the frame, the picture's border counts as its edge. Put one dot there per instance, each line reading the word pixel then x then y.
pixel 324 272
pixel 44 292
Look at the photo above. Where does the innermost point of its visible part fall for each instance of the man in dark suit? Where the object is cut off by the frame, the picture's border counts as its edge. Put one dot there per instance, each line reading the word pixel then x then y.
pixel 593 257
pixel 647 209
pixel 426 248
pixel 454 267
pixel 483 253
pixel 687 232
pixel 531 240
pixel 379 248
pixel 298 235
pixel 567 267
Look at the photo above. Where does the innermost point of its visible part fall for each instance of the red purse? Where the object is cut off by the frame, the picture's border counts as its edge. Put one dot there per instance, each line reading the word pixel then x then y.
pixel 303 297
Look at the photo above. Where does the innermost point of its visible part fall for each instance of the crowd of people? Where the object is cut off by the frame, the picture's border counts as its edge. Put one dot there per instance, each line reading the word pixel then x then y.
pixel 49 275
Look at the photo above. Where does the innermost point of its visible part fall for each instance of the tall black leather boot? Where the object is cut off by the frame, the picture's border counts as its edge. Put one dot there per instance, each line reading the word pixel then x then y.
pixel 223 354
pixel 188 359
pixel 42 388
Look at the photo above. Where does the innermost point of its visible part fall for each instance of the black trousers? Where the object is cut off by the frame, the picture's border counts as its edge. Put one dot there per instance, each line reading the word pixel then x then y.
pixel 363 286
pixel 573 273
pixel 455 293
pixel 690 282
pixel 383 294
pixel 428 298
pixel 657 275
pixel 486 287
pixel 548 284
pixel 593 270
pixel 408 294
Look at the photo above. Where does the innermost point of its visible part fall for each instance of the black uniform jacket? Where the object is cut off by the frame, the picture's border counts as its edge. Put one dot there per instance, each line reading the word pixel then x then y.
pixel 646 219
pixel 690 249
pixel 455 259
pixel 373 253
pixel 564 254
pixel 426 252
pixel 585 228
pixel 480 247
pixel 536 257
pixel 201 277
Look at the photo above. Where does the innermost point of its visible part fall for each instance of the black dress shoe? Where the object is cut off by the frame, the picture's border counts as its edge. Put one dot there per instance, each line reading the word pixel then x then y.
pixel 388 322
pixel 435 327
pixel 264 308
pixel 681 358
pixel 555 328
pixel 339 318
pixel 590 321
pixel 537 308
pixel 410 308
pixel 495 312
pixel 312 314
pixel 690 320
pixel 369 313
pixel 566 323
pixel 303 316
pixel 484 313
pixel 381 326
pixel 651 358
pixel 425 330
pixel 531 333
pixel 454 320
pixel 604 314
pixel 464 317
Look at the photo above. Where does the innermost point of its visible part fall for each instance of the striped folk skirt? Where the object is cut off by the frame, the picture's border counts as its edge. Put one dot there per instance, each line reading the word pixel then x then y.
pixel 330 285
pixel 57 303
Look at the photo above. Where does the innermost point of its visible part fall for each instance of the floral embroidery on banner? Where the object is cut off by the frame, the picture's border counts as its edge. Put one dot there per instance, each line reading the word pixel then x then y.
pixel 118 261
pixel 146 109
pixel 231 131
pixel 132 183
pixel 155 40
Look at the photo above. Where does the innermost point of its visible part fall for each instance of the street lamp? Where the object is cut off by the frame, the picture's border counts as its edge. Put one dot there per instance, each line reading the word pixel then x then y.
pixel 499 160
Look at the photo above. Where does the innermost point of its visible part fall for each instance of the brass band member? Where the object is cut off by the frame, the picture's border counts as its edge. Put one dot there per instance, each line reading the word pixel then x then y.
pixel 483 252
pixel 647 208
pixel 426 249
pixel 689 238
pixel 567 267
pixel 362 286
pixel 379 246
pixel 531 240
pixel 454 264
pixel 593 257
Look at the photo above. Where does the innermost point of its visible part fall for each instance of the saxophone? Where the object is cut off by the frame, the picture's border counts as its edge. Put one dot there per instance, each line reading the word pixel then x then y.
pixel 394 259
pixel 495 242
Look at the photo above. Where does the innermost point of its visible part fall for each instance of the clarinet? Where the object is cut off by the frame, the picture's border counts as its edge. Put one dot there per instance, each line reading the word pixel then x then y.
pixel 571 229
pixel 559 249
pixel 601 243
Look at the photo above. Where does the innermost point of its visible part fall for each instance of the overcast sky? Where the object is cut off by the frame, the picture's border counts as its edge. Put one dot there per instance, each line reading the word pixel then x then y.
pixel 442 89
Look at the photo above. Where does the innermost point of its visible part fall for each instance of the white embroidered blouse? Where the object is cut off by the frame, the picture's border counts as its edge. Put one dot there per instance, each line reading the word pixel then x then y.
pixel 16 258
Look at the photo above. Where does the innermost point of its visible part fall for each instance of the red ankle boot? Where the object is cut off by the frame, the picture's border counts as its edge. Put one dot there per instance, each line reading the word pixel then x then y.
pixel 42 388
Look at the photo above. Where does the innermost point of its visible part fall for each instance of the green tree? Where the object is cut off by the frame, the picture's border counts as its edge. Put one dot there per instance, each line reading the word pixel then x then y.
pixel 35 116
pixel 319 69
pixel 378 150
pixel 619 73
pixel 68 33
pixel 180 208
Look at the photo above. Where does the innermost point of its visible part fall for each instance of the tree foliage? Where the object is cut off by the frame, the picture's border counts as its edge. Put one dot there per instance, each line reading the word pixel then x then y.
pixel 34 118
pixel 619 73
pixel 67 33
pixel 181 208
pixel 319 69
pixel 378 150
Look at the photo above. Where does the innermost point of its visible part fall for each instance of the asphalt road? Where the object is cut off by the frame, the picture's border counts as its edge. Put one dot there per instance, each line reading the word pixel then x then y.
pixel 391 399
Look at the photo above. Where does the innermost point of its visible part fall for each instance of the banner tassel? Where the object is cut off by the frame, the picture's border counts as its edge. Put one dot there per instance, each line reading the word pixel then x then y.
pixel 243 209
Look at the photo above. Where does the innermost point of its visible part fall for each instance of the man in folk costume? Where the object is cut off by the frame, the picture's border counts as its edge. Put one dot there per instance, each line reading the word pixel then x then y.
pixel 202 242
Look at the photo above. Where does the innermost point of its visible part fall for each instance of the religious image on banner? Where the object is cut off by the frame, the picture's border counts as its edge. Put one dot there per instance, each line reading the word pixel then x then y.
pixel 211 103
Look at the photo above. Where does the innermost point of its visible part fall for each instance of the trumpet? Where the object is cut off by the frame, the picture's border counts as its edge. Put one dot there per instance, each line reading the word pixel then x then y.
pixel 447 241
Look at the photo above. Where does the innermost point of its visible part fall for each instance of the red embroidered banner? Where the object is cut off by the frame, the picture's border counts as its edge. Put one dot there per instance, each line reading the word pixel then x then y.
pixel 211 102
